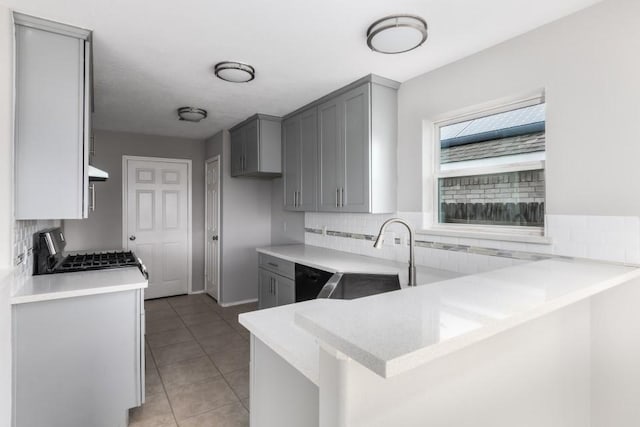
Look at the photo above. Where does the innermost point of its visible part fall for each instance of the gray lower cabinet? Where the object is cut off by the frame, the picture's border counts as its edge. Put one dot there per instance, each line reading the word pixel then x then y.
pixel 52 119
pixel 275 290
pixel 256 147
pixel 300 155
pixel 78 361
pixel 267 291
pixel 285 291
pixel 276 282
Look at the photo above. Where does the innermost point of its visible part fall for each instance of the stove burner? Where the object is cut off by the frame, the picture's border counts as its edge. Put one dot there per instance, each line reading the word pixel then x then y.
pixel 98 260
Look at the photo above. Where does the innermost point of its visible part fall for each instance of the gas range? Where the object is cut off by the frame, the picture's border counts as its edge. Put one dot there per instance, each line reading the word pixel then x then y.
pixel 97 261
pixel 49 256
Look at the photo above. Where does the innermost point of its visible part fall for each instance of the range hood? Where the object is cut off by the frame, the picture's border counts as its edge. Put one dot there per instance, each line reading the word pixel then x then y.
pixel 96 174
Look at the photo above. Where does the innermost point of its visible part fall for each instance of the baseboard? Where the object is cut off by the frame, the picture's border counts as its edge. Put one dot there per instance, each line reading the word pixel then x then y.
pixel 197 292
pixel 247 301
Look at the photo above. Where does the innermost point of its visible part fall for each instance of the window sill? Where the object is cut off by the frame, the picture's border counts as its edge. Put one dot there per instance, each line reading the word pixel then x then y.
pixel 469 234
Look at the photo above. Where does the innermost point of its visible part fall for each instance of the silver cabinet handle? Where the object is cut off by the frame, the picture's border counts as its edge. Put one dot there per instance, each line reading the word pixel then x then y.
pixel 272 264
pixel 342 197
pixel 295 203
pixel 337 197
pixel 297 199
pixel 92 187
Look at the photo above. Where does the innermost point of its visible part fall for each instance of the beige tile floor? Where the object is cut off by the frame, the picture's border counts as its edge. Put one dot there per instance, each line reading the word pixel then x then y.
pixel 197 371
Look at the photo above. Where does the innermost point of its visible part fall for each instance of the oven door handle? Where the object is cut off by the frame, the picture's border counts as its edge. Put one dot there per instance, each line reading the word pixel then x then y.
pixel 143 269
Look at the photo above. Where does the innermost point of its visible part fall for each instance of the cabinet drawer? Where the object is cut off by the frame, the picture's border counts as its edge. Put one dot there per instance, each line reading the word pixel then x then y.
pixel 277 265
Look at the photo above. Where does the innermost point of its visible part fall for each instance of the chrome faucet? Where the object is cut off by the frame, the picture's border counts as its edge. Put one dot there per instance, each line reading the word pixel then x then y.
pixel 412 244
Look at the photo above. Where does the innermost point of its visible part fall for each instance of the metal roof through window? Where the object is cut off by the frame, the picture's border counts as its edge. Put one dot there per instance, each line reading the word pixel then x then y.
pixel 520 121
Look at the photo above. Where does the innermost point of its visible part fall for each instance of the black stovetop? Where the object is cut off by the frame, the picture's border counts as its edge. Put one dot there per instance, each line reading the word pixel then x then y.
pixel 96 261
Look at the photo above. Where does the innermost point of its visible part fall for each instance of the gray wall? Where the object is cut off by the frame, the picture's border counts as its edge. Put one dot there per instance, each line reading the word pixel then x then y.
pixel 246 224
pixel 590 67
pixel 103 228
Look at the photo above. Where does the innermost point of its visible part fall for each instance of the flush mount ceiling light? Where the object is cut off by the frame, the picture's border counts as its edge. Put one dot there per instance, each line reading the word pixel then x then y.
pixel 190 114
pixel 235 72
pixel 397 34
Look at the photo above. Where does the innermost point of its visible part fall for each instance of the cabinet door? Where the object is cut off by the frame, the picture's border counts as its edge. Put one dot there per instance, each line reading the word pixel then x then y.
pixel 330 158
pixel 80 357
pixel 251 147
pixel 50 124
pixel 307 199
pixel 285 291
pixel 356 150
pixel 266 289
pixel 291 173
pixel 237 152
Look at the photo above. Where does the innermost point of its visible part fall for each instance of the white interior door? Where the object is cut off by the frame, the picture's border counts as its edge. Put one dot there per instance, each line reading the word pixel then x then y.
pixel 212 215
pixel 158 220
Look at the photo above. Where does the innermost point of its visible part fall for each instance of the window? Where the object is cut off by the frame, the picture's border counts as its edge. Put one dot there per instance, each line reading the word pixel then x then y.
pixel 490 169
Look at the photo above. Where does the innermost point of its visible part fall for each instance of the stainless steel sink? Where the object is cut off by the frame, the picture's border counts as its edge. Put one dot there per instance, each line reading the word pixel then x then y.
pixel 352 285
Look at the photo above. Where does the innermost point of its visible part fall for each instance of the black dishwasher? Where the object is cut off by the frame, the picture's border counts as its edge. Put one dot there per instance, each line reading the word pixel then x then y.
pixel 309 281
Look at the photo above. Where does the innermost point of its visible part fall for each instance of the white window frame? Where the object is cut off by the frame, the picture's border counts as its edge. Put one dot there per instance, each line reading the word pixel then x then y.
pixel 495 231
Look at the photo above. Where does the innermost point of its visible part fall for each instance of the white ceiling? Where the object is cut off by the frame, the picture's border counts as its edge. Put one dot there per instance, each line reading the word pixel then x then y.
pixel 153 56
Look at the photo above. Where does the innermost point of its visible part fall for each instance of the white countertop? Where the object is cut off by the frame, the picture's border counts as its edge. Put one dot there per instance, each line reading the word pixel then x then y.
pixel 397 331
pixel 344 262
pixel 275 327
pixel 66 285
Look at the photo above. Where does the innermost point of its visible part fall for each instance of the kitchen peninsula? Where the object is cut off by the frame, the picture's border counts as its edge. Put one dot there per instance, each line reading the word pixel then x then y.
pixel 451 352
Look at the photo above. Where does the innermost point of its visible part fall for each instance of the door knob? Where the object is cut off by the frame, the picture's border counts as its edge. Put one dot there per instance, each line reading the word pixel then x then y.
pixel 214 238
pixel 132 238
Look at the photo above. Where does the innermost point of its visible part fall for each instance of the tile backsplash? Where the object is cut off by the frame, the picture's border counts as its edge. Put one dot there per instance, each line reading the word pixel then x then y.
pixel 609 238
pixel 23 232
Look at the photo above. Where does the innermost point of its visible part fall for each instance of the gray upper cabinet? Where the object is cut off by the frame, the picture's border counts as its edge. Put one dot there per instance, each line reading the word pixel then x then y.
pixel 256 147
pixel 52 119
pixel 300 139
pixel 356 149
pixel 330 158
pixel 345 152
pixel 237 153
pixel 291 161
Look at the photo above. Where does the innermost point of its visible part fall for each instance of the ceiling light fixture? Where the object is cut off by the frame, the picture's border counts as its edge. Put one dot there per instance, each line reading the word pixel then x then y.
pixel 235 72
pixel 190 114
pixel 397 34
